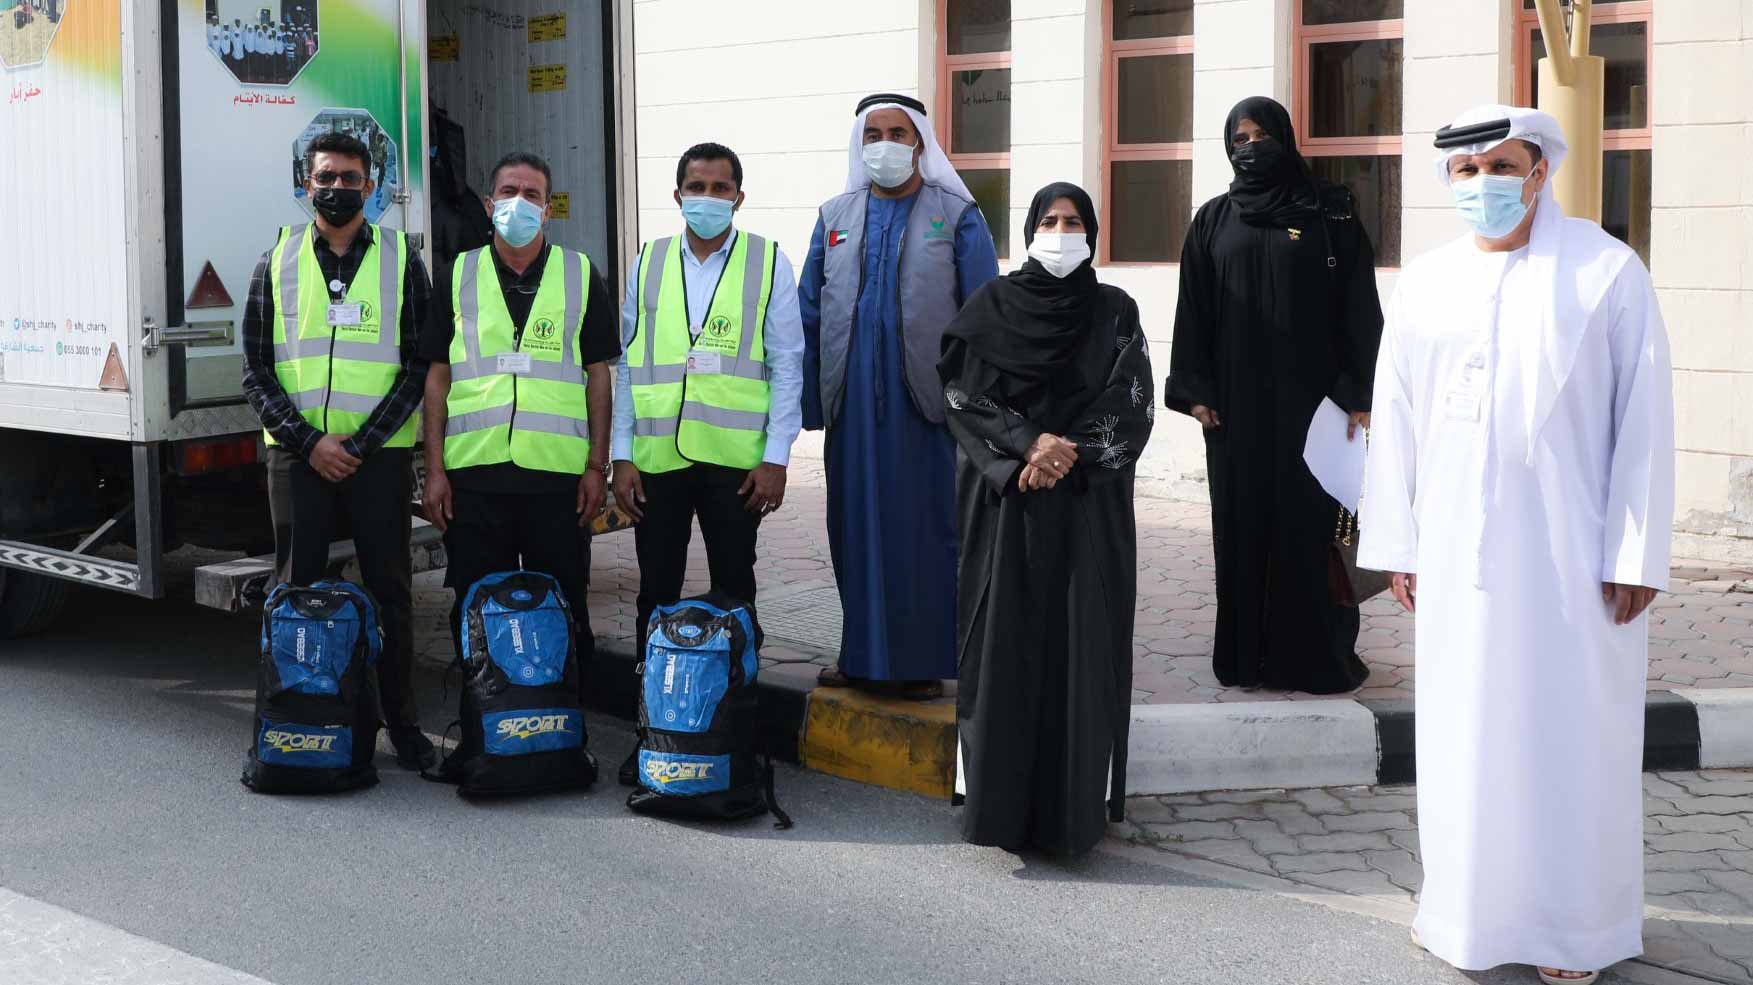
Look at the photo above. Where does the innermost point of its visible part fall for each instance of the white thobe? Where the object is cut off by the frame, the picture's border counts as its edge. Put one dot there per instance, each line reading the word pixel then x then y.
pixel 1521 456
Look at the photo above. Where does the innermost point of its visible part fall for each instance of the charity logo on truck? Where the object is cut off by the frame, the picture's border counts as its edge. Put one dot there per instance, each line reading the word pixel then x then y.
pixel 63 262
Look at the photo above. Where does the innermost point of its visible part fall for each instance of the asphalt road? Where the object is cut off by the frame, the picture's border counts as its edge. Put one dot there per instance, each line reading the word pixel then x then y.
pixel 121 738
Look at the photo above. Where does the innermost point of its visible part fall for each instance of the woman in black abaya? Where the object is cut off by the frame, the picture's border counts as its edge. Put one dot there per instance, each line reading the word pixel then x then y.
pixel 1048 387
pixel 1277 310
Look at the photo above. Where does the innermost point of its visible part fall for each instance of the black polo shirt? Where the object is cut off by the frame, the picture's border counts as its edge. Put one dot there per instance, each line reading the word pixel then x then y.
pixel 599 341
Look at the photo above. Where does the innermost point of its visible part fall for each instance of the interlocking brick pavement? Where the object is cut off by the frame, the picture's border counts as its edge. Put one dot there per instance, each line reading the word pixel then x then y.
pixel 1701 635
pixel 1698 841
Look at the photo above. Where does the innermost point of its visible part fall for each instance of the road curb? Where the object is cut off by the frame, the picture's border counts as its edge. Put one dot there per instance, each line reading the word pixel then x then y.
pixel 1178 748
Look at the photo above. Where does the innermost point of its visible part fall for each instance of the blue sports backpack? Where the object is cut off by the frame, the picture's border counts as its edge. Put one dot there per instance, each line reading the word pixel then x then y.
pixel 316 715
pixel 522 723
pixel 700 751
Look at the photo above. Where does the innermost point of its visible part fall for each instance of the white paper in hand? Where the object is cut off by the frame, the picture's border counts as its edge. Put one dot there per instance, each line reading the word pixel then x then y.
pixel 1336 462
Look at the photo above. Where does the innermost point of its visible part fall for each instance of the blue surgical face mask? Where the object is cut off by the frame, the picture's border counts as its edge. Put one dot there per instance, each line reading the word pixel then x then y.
pixel 517 220
pixel 1491 203
pixel 706 215
pixel 889 164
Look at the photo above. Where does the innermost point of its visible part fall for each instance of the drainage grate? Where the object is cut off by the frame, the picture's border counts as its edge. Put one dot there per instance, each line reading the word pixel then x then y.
pixel 809 618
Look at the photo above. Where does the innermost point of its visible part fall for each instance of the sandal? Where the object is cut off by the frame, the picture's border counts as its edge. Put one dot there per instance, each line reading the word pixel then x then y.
pixel 1556 976
pixel 922 690
pixel 834 677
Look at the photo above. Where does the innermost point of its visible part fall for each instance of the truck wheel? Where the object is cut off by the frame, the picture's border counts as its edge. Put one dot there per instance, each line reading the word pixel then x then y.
pixel 28 603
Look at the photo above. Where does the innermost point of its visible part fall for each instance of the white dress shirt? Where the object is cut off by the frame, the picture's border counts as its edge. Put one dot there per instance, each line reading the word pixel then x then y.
pixel 782 337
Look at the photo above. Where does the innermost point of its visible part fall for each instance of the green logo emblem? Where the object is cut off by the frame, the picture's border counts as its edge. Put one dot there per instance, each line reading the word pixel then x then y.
pixel 543 329
pixel 719 327
pixel 366 314
pixel 937 223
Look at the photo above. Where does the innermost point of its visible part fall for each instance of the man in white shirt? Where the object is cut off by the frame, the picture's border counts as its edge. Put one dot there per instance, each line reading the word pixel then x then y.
pixel 708 392
pixel 1521 488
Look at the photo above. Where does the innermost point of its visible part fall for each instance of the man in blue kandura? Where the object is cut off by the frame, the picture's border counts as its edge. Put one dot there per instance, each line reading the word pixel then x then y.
pixel 890 263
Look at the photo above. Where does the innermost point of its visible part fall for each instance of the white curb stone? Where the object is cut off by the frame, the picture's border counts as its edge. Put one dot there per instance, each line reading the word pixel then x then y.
pixel 1725 726
pixel 1250 746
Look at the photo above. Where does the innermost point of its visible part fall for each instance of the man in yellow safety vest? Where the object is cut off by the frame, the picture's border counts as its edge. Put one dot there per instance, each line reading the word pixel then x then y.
pixel 332 366
pixel 517 401
pixel 708 397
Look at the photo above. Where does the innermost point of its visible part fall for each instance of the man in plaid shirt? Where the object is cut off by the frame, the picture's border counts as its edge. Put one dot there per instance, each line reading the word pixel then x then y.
pixel 338 401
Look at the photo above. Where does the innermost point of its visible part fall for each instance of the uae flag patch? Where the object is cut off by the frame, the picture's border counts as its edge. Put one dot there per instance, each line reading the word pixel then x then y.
pixel 838 236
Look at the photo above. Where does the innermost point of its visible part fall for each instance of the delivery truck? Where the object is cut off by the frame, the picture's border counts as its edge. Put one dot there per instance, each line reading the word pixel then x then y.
pixel 150 151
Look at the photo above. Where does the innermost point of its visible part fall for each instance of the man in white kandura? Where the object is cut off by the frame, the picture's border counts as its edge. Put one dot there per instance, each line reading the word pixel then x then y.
pixel 1521 486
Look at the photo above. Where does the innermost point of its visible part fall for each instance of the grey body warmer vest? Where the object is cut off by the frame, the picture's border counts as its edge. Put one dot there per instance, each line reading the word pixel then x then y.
pixel 927 286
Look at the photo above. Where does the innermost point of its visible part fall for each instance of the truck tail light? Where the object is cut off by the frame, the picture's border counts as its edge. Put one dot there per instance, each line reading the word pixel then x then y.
pixel 218 454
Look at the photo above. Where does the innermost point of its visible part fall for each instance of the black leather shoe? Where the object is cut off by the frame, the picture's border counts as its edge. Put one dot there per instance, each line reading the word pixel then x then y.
pixel 413 750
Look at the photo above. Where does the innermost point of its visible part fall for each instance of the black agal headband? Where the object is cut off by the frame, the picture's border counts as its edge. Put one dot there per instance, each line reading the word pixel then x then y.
pixel 1492 131
pixel 889 97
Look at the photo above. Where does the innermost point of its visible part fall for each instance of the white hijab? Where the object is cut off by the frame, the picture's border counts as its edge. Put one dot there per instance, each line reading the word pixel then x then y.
pixel 934 165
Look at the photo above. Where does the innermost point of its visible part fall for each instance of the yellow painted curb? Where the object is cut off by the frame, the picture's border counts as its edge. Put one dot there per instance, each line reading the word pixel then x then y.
pixel 902 745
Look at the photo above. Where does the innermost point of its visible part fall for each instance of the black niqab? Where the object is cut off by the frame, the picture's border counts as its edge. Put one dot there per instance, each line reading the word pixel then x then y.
pixel 1286 195
pixel 1027 325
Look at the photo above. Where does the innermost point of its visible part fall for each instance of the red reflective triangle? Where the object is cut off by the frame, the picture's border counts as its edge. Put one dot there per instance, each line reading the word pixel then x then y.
pixel 114 376
pixel 209 291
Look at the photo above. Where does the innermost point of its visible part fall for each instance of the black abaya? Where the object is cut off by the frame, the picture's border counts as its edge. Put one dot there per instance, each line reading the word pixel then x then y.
pixel 1264 329
pixel 1048 583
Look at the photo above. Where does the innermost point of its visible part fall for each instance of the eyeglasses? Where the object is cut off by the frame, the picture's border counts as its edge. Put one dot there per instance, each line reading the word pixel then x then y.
pixel 346 179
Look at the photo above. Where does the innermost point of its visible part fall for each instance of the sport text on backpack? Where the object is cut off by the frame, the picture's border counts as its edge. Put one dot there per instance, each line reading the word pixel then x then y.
pixel 699 732
pixel 316 715
pixel 522 724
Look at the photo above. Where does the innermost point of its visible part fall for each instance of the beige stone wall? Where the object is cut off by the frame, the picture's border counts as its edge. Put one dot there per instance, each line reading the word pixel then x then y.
pixel 782 87
pixel 1702 248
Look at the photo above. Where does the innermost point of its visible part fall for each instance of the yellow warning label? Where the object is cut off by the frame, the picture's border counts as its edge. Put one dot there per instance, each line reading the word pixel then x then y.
pixel 549 27
pixel 559 206
pixel 444 48
pixel 547 78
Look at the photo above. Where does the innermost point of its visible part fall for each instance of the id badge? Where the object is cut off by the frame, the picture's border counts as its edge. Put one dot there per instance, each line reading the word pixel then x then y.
pixel 1459 405
pixel 345 314
pixel 515 363
pixel 705 362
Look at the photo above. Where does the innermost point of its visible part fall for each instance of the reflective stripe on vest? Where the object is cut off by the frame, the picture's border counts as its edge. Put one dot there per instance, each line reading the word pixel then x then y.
pixel 539 419
pixel 685 414
pixel 336 375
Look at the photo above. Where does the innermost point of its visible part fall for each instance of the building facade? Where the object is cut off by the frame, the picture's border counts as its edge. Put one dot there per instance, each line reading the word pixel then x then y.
pixel 1128 99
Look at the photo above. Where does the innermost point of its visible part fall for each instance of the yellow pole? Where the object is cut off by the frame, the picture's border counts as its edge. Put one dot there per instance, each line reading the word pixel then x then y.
pixel 1573 90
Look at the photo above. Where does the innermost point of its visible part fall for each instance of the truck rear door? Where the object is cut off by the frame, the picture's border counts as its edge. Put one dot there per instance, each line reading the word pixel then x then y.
pixel 255 82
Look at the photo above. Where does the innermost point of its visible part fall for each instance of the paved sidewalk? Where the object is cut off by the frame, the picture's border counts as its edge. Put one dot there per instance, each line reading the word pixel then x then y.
pixel 1363 841
pixel 1701 635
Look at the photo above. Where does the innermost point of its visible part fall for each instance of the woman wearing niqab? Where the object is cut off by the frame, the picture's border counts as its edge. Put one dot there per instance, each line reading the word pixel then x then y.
pixel 1048 386
pixel 1277 310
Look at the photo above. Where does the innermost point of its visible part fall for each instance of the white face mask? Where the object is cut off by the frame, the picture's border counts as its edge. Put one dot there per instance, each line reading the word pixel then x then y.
pixel 889 164
pixel 1060 253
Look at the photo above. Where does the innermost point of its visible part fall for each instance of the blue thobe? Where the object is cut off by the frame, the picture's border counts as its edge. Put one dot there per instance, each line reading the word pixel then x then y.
pixel 891 472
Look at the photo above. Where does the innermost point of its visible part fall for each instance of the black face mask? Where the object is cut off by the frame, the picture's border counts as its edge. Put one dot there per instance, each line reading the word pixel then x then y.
pixel 1257 158
pixel 338 205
